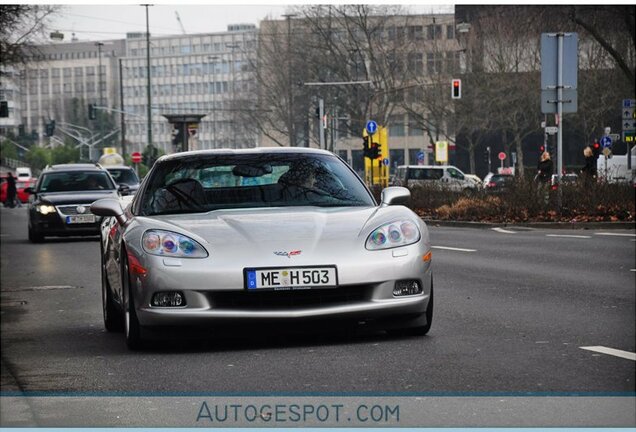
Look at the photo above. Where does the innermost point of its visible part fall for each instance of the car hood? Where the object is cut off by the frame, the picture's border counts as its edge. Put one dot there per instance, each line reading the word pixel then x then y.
pixel 60 198
pixel 263 231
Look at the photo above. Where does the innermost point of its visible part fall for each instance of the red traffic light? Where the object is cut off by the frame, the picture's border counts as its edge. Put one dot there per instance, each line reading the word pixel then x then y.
pixel 596 146
pixel 456 89
pixel 541 149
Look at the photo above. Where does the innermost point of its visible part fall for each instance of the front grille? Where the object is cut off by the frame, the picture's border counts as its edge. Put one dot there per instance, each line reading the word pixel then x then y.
pixel 71 210
pixel 284 300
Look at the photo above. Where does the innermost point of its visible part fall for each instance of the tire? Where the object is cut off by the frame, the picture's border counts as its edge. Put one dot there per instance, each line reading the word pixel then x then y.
pixel 132 329
pixel 113 318
pixel 35 236
pixel 419 330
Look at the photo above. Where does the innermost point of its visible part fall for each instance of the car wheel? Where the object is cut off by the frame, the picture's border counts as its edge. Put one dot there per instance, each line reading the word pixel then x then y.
pixel 419 330
pixel 113 320
pixel 132 329
pixel 35 236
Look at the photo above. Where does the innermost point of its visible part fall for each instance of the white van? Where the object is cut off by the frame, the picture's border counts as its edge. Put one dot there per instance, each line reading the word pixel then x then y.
pixel 446 176
pixel 23 174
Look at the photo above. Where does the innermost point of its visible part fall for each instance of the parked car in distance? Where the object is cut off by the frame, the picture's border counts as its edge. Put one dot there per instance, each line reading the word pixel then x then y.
pixel 446 176
pixel 302 240
pixel 498 182
pixel 567 178
pixel 20 185
pixel 23 174
pixel 475 179
pixel 62 197
pixel 124 175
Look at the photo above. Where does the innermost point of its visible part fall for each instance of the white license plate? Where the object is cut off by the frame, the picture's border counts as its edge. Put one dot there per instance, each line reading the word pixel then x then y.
pixel 79 219
pixel 291 278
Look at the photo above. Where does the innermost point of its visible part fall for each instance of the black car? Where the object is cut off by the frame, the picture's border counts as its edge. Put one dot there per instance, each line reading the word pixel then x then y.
pixel 124 175
pixel 498 183
pixel 60 201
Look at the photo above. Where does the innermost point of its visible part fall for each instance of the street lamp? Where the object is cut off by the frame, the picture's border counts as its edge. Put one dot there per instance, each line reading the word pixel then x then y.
pixel 290 94
pixel 232 46
pixel 99 74
pixel 214 59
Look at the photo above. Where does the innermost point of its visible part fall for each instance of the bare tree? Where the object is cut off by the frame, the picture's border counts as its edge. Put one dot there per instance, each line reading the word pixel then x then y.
pixel 21 25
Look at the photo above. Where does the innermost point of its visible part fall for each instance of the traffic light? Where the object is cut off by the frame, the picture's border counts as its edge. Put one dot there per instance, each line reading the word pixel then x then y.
pixel 456 89
pixel 92 114
pixel 50 128
pixel 596 149
pixel 541 149
pixel 4 109
pixel 374 151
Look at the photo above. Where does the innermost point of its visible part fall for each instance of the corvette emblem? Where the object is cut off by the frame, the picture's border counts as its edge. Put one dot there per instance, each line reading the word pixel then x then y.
pixel 288 254
pixel 81 209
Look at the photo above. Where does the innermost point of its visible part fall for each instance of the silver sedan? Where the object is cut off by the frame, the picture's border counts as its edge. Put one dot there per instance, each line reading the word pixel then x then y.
pixel 243 236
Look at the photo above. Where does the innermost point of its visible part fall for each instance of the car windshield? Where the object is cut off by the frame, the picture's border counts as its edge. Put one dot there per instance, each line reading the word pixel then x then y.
pixel 230 181
pixel 71 181
pixel 123 175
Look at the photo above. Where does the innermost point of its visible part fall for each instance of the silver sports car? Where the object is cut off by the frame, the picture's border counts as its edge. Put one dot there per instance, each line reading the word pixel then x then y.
pixel 247 236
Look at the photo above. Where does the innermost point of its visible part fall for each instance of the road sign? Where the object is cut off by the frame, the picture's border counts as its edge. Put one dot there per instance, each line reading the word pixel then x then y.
pixel 420 156
pixel 501 156
pixel 372 127
pixel 135 157
pixel 549 72
pixel 551 130
pixel 386 161
pixel 441 151
pixel 607 152
pixel 606 142
pixel 629 103
pixel 615 137
pixel 628 137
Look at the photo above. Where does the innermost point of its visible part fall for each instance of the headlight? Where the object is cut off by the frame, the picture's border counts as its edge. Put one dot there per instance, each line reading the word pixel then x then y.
pixel 45 209
pixel 166 243
pixel 394 234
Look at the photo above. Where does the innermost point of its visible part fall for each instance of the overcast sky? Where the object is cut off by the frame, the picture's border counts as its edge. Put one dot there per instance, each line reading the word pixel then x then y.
pixel 99 22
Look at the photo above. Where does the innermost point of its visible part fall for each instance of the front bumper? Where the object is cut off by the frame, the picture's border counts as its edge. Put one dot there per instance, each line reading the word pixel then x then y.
pixel 54 224
pixel 365 292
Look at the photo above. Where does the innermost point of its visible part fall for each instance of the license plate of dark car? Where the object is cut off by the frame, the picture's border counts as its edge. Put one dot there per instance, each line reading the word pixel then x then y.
pixel 291 278
pixel 79 219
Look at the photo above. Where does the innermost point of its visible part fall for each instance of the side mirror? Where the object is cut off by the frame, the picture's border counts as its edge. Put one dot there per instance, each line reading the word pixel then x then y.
pixel 29 190
pixel 109 207
pixel 395 195
pixel 124 189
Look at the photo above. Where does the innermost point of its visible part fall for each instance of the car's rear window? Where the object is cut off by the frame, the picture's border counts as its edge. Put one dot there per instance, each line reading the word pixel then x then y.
pixel 212 182
pixel 124 175
pixel 71 181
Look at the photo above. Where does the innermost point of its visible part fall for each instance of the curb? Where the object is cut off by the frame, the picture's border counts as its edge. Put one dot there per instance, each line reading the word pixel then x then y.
pixel 548 225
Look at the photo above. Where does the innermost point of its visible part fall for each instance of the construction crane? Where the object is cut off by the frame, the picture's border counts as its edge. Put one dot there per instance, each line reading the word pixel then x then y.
pixel 180 23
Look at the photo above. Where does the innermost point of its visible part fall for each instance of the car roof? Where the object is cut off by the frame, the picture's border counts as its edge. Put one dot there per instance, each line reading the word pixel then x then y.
pixel 117 167
pixel 257 150
pixel 74 167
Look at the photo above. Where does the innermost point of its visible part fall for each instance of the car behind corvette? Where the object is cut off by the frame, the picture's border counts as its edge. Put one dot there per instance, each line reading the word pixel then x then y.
pixel 235 236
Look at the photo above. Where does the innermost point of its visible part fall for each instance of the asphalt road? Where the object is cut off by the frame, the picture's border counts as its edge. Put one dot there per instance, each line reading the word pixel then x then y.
pixel 513 309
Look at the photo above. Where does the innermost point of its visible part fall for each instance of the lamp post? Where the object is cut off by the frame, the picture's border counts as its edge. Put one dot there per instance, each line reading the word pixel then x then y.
pixel 99 74
pixel 290 93
pixel 149 99
pixel 232 46
pixel 214 59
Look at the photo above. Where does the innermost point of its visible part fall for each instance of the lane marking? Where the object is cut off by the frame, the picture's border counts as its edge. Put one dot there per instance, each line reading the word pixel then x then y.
pixel 501 230
pixel 453 249
pixel 634 270
pixel 611 351
pixel 569 236
pixel 615 234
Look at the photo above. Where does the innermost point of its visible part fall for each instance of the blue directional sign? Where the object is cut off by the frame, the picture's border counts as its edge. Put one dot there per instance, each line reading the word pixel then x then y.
pixel 386 161
pixel 606 141
pixel 420 156
pixel 372 127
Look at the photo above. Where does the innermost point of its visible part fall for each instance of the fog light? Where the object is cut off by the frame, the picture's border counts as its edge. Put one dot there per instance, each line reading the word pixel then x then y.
pixel 168 299
pixel 407 287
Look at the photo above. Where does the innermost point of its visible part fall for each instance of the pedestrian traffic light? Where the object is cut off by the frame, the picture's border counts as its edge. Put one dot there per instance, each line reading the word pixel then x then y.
pixel 596 149
pixel 541 149
pixel 92 114
pixel 456 89
pixel 4 109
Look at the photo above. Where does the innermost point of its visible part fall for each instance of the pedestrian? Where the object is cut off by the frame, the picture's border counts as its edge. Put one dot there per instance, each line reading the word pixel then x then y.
pixel 545 168
pixel 11 191
pixel 589 170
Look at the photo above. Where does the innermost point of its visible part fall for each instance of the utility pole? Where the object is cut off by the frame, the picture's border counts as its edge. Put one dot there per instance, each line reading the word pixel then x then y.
pixel 233 46
pixel 149 99
pixel 290 93
pixel 214 59
pixel 122 118
pixel 99 84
